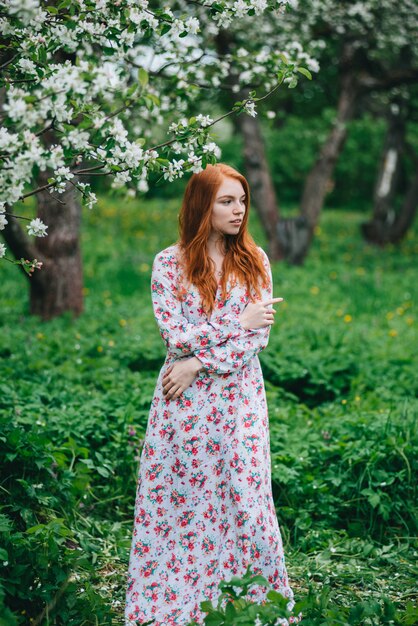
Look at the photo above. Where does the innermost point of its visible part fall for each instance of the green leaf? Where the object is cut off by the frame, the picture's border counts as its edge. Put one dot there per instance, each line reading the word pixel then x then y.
pixel 305 72
pixel 143 77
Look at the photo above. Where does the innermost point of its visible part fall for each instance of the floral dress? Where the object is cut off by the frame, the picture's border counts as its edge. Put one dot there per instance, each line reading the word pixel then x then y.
pixel 204 509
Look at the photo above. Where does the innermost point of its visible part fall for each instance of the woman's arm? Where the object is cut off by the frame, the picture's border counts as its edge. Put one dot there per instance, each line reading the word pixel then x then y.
pixel 182 337
pixel 237 351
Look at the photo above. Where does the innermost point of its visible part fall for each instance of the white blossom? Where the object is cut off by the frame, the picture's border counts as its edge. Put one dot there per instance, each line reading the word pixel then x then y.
pixel 2 250
pixel 37 227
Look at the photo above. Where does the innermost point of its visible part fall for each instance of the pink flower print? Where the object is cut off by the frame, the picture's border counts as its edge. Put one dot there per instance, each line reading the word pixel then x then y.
pixel 174 564
pixel 212 446
pixel 218 468
pixel 208 544
pixel 149 568
pixel 224 526
pixel 255 462
pixel 156 494
pixel 231 562
pixel 229 391
pixel 177 498
pixel 254 480
pixel 250 443
pixel 234 494
pixel 229 427
pixel 179 468
pixel 141 548
pixel 260 521
pixel 190 446
pixel 143 518
pixel 170 594
pixel 189 423
pixel 187 540
pixel 198 479
pixel 237 463
pixel 215 415
pixel 255 551
pixel 221 490
pixel 241 518
pixel 157 288
pixel 244 543
pixel 192 577
pixel 154 471
pixel 250 420
pixel 210 569
pixel 162 529
pixel 148 450
pixel 150 592
pixel 167 432
pixel 196 463
pixel 210 514
pixel 186 518
pixel 183 402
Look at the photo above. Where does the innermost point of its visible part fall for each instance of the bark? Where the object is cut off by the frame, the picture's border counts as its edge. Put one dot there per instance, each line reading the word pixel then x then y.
pixel 319 178
pixel 258 174
pixel 57 286
pixel 387 225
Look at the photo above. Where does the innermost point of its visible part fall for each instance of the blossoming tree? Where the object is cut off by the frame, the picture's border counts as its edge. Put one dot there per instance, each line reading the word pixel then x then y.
pixel 363 48
pixel 107 87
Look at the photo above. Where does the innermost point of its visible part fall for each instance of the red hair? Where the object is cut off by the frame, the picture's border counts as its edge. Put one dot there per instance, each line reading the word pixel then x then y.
pixel 242 258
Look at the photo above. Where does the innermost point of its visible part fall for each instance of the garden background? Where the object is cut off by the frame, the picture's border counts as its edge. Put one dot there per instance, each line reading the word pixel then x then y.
pixel 340 374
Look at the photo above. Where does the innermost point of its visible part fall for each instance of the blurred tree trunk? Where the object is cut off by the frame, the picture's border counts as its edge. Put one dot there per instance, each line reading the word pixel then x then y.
pixel 387 225
pixel 57 286
pixel 261 184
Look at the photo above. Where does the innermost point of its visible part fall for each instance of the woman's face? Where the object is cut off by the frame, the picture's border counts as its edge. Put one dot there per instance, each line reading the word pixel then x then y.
pixel 229 207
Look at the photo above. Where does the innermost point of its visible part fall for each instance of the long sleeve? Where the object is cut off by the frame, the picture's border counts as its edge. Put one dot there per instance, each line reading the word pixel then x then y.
pixel 239 350
pixel 181 336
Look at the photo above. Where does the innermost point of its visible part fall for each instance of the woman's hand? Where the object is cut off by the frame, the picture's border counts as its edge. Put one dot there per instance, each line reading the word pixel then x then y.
pixel 179 376
pixel 258 314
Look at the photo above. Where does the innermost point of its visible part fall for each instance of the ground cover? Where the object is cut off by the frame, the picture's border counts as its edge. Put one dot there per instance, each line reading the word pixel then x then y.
pixel 340 374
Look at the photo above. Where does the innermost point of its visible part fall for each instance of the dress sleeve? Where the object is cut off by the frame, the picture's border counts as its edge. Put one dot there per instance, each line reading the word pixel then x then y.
pixel 239 350
pixel 181 336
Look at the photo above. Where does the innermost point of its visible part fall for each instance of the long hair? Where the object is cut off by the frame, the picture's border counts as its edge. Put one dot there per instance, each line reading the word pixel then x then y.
pixel 242 259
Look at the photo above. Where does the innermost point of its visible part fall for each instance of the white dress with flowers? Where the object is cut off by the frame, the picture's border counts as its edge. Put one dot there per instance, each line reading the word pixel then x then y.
pixel 204 509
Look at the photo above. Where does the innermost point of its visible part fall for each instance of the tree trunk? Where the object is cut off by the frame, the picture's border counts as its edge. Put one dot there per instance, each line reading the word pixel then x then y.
pixel 318 181
pixel 57 286
pixel 387 226
pixel 261 184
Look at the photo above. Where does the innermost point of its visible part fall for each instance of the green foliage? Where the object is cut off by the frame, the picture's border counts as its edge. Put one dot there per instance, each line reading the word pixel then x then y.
pixel 340 374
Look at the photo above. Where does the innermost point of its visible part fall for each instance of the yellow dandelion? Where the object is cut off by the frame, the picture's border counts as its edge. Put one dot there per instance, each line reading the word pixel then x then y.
pixel 317 230
pixel 77 336
pixel 333 275
pixel 344 401
pixel 360 271
pixel 347 319
pixel 40 336
pixel 409 320
pixel 122 323
pixel 357 398
pixel 108 302
pixel 390 315
pixel 314 290
pixel 340 312
pixel 111 343
pixel 400 310
pixel 393 332
pixel 144 267
pixel 99 348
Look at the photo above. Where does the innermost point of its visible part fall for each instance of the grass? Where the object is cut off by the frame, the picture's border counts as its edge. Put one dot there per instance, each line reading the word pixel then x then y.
pixel 340 374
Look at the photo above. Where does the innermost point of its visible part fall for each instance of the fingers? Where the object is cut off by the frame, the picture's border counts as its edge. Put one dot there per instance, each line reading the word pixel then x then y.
pixel 272 301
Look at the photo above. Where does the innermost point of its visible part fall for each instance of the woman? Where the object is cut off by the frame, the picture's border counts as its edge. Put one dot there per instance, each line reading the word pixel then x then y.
pixel 204 509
